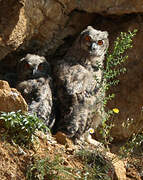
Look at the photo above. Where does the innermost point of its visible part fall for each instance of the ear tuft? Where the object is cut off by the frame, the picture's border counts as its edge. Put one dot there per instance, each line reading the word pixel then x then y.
pixel 106 33
pixel 90 27
pixel 22 59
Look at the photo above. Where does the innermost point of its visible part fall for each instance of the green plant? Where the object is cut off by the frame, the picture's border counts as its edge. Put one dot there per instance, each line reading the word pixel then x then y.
pixel 96 166
pixel 115 59
pixel 113 68
pixel 133 146
pixel 21 127
pixel 48 169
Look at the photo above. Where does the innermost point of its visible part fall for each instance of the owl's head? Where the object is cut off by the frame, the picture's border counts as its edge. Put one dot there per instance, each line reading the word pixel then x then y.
pixel 32 66
pixel 94 42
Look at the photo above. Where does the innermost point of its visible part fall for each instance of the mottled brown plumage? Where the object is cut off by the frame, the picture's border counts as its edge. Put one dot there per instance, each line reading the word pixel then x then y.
pixel 35 84
pixel 79 81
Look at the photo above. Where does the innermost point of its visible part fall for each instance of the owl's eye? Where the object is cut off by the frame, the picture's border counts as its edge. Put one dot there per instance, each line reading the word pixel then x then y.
pixel 100 42
pixel 87 38
pixel 27 66
pixel 40 67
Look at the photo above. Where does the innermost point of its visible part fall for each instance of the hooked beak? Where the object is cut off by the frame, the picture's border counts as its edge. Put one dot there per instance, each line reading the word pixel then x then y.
pixel 34 72
pixel 93 46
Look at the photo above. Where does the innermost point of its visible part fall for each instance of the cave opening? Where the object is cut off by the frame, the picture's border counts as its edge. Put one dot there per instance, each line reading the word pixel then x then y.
pixel 78 20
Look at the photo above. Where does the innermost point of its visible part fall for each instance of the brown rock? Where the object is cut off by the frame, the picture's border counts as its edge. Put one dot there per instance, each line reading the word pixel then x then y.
pixel 120 170
pixel 11 99
pixel 13 26
pixel 119 167
pixel 25 18
pixel 132 173
pixel 63 139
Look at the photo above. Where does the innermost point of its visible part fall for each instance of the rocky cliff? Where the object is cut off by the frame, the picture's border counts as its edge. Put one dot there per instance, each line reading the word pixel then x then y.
pixel 43 26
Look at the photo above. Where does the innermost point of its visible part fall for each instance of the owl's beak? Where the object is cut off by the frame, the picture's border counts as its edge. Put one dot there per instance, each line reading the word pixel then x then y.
pixel 34 72
pixel 93 46
pixel 92 49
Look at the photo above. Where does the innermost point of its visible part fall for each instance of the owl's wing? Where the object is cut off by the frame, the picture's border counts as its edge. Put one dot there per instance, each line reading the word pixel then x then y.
pixel 76 79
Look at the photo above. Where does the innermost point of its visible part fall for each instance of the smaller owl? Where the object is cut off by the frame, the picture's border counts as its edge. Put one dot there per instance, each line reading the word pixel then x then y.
pixel 35 84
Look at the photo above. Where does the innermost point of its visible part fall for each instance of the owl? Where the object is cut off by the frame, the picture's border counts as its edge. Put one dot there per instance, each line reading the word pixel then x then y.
pixel 79 83
pixel 35 84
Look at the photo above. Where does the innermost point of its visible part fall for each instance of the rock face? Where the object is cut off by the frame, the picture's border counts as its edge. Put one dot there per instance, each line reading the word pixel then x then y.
pixel 11 99
pixel 41 26
pixel 46 23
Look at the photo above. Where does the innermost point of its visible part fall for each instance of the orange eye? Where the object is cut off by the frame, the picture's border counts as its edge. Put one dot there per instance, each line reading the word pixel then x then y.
pixel 100 42
pixel 27 66
pixel 40 67
pixel 87 38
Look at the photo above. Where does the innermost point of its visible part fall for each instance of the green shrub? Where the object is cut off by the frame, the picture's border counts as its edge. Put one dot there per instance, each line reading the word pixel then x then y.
pixel 21 127
pixel 115 59
pixel 48 169
pixel 133 146
pixel 113 68
pixel 96 165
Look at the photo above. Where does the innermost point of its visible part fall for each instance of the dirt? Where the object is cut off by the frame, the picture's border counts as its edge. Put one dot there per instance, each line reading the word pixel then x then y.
pixel 15 160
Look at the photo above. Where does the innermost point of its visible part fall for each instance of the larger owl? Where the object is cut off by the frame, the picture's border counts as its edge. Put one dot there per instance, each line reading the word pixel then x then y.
pixel 79 81
pixel 34 83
